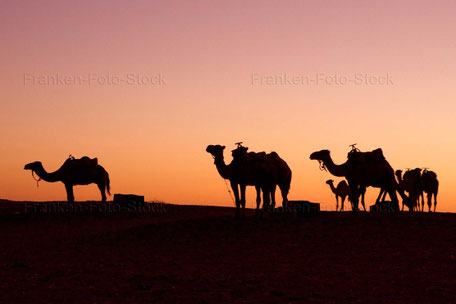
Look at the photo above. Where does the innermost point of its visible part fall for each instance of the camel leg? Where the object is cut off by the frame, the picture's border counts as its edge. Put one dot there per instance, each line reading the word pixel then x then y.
pixel 394 200
pixel 337 202
pixel 429 199
pixel 379 196
pixel 243 199
pixel 435 200
pixel 284 192
pixel 69 191
pixel 258 199
pixel 422 201
pixel 384 195
pixel 342 198
pixel 103 193
pixel 235 189
pixel 354 196
pixel 350 200
pixel 363 193
pixel 266 200
pixel 273 202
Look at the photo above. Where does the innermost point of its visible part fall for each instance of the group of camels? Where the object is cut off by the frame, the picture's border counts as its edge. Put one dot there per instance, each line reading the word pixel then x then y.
pixel 415 182
pixel 267 171
pixel 364 169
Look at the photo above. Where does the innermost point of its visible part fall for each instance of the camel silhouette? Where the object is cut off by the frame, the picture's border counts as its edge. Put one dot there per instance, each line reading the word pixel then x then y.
pixel 73 172
pixel 430 185
pixel 343 190
pixel 257 174
pixel 281 173
pixel 363 169
pixel 248 170
pixel 411 183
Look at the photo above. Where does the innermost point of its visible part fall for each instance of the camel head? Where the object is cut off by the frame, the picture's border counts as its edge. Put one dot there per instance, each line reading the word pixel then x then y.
pixel 215 150
pixel 398 173
pixel 33 166
pixel 322 156
pixel 330 181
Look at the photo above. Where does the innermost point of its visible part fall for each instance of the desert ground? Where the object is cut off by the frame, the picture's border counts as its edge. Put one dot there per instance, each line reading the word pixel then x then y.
pixel 190 254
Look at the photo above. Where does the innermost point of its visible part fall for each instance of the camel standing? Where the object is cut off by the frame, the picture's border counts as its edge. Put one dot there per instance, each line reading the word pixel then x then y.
pixel 341 191
pixel 256 174
pixel 430 185
pixel 363 169
pixel 281 173
pixel 73 172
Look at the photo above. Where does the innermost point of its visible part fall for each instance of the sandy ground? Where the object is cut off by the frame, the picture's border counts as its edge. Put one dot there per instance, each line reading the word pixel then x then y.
pixel 203 255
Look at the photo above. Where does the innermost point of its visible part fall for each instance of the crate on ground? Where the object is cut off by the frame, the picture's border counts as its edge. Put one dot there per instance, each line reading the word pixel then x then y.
pixel 385 206
pixel 129 200
pixel 304 208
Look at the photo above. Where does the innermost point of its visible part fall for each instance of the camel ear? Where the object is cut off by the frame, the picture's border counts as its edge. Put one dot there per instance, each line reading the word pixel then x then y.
pixel 223 147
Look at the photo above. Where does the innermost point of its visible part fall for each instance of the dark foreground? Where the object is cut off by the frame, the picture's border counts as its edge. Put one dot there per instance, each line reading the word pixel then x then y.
pixel 204 255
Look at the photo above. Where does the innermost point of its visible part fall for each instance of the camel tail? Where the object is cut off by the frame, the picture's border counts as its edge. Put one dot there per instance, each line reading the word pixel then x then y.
pixel 108 186
pixel 285 187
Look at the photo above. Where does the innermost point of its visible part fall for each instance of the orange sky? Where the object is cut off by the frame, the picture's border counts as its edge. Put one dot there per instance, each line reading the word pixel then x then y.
pixel 152 138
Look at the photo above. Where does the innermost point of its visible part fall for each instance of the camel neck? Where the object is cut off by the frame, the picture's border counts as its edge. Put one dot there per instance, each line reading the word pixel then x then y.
pixel 399 178
pixel 332 188
pixel 48 177
pixel 336 170
pixel 222 168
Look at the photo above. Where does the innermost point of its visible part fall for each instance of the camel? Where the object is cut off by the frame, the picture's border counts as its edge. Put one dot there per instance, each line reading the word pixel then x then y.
pixel 411 183
pixel 251 169
pixel 363 169
pixel 430 185
pixel 256 174
pixel 281 173
pixel 342 191
pixel 73 172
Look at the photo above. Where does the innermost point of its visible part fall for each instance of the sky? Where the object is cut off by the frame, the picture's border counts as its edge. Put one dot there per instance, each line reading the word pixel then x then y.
pixel 145 86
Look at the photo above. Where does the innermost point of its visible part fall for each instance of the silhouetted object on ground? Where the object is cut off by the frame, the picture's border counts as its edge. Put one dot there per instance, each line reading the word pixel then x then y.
pixel 383 206
pixel 363 169
pixel 73 172
pixel 430 185
pixel 256 174
pixel 411 183
pixel 281 173
pixel 128 200
pixel 304 208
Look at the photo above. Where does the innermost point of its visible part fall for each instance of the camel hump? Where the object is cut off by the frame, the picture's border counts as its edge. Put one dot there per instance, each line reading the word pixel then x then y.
pixel 258 156
pixel 371 156
pixel 412 173
pixel 273 155
pixel 240 154
pixel 430 174
pixel 342 184
pixel 85 161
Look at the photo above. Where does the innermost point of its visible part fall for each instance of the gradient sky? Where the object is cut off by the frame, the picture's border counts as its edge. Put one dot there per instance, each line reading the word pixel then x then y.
pixel 152 138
